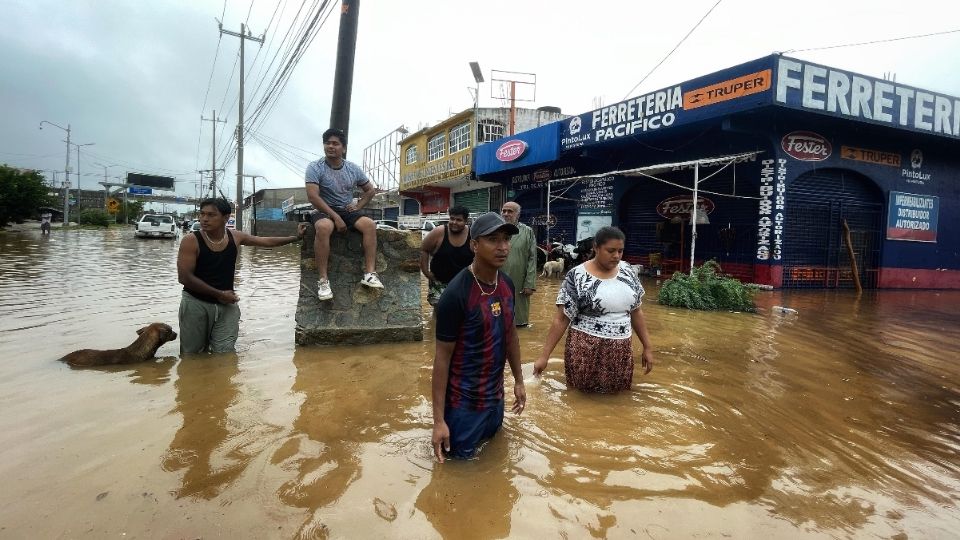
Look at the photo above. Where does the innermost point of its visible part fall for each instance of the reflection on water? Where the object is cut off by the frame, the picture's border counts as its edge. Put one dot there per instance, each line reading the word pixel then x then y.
pixel 840 421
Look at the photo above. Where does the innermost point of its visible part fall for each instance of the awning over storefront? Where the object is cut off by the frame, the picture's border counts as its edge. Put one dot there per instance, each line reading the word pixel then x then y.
pixel 526 149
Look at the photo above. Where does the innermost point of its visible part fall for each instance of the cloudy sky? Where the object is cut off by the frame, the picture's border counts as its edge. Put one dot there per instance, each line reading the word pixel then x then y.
pixel 134 76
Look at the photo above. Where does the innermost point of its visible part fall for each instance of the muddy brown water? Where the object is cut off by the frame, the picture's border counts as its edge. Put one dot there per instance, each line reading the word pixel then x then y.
pixel 842 421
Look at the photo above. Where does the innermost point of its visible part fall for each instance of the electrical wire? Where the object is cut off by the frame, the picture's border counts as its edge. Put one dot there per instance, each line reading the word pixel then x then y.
pixel 674 49
pixel 874 42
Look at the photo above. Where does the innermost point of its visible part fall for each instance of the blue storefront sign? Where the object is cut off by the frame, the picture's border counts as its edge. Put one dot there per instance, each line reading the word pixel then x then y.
pixel 825 90
pixel 533 147
pixel 912 217
pixel 735 89
pixel 140 191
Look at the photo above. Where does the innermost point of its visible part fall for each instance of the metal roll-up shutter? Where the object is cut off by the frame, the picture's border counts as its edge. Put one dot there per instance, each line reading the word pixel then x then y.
pixel 477 200
pixel 411 207
pixel 391 212
pixel 533 212
pixel 815 254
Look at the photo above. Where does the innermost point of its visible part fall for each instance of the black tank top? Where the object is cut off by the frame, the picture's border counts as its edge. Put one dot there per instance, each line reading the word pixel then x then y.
pixel 449 260
pixel 215 268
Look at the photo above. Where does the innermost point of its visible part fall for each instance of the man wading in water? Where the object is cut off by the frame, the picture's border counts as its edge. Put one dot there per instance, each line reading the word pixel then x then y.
pixel 475 337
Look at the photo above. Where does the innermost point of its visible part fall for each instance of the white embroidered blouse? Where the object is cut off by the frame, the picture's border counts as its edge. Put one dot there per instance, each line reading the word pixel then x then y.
pixel 601 307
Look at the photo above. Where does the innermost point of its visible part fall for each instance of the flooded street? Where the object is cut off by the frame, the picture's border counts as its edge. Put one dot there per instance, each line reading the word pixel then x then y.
pixel 841 421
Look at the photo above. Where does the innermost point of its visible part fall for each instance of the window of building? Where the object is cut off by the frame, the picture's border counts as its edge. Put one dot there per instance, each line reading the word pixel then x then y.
pixel 435 146
pixel 489 130
pixel 460 138
pixel 411 154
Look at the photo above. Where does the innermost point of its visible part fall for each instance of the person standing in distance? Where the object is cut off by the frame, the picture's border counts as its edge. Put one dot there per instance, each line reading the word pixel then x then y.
pixel 330 184
pixel 445 251
pixel 521 266
pixel 475 338
pixel 206 265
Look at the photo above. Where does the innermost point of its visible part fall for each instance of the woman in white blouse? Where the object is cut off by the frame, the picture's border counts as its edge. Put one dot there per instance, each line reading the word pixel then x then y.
pixel 600 303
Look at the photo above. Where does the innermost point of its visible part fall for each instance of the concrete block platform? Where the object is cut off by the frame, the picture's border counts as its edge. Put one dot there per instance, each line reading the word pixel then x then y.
pixel 358 314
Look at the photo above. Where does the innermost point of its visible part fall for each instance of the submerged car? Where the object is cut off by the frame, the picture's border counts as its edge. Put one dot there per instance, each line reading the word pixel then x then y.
pixel 155 226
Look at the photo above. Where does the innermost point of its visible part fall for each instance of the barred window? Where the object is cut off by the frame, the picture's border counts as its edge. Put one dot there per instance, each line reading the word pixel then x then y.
pixel 435 146
pixel 460 138
pixel 489 130
pixel 411 154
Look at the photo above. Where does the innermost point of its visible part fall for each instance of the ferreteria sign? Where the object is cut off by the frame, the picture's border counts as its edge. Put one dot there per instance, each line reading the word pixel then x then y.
pixel 811 87
pixel 771 81
pixel 735 89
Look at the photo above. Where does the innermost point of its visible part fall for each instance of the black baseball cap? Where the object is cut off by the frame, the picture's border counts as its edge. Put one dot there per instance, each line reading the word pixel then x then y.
pixel 490 223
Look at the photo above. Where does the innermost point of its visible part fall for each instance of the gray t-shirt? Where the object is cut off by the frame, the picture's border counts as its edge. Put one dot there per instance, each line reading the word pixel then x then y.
pixel 336 185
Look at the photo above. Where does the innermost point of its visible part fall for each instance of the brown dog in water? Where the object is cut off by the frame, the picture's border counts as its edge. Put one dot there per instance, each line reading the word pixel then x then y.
pixel 144 348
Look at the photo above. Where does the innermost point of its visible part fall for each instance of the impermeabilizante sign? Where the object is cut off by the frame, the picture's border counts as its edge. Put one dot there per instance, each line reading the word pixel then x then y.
pixel 771 81
pixel 912 217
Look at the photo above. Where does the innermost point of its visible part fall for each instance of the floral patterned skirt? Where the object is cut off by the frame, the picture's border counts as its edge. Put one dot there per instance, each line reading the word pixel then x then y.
pixel 596 364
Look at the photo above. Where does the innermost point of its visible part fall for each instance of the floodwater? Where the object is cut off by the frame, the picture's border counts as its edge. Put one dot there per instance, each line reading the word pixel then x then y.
pixel 840 421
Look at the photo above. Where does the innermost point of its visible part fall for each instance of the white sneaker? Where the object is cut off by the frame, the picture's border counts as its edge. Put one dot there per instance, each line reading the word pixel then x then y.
pixel 323 289
pixel 370 279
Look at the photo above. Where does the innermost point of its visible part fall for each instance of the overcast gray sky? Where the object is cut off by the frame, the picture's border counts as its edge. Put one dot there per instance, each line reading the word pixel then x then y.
pixel 131 76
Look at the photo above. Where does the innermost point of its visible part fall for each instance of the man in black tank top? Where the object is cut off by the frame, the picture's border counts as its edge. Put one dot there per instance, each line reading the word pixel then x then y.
pixel 445 251
pixel 206 264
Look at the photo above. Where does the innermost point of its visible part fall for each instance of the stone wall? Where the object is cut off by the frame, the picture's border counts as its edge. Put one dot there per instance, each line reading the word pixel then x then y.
pixel 358 314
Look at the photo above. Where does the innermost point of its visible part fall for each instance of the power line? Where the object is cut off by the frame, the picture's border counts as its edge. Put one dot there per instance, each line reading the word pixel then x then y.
pixel 709 11
pixel 874 42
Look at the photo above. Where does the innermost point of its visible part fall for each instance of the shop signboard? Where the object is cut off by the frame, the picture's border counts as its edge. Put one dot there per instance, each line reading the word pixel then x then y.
pixel 735 89
pixel 912 217
pixel 825 90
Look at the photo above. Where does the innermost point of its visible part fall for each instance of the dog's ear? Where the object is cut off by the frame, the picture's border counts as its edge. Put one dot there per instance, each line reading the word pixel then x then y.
pixel 140 331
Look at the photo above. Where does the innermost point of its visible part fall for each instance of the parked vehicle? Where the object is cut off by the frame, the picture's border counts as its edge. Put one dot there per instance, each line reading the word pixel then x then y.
pixel 155 226
pixel 387 224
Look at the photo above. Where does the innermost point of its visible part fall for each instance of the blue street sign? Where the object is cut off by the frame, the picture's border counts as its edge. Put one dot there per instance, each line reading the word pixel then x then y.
pixel 140 191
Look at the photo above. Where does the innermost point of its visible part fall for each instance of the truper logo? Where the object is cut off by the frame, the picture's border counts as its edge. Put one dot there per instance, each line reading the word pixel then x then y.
pixel 806 146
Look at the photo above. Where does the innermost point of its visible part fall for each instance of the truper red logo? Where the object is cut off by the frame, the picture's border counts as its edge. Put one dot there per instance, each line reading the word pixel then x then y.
pixel 511 150
pixel 806 146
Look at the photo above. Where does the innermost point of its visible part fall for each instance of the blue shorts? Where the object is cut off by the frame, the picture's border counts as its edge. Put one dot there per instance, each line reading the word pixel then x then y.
pixel 468 428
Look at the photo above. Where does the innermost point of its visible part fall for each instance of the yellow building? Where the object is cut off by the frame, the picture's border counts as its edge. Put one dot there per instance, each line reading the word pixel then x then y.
pixel 436 162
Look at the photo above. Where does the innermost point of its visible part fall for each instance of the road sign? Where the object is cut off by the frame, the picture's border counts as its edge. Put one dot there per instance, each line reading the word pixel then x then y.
pixel 140 191
pixel 113 205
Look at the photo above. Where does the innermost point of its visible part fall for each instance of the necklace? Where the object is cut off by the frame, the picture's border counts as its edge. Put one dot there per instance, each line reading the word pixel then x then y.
pixel 213 243
pixel 496 285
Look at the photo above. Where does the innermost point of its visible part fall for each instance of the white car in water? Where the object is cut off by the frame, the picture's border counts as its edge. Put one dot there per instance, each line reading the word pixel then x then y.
pixel 155 226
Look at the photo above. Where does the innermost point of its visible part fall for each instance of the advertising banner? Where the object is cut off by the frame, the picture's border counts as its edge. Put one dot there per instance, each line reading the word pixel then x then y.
pixel 912 217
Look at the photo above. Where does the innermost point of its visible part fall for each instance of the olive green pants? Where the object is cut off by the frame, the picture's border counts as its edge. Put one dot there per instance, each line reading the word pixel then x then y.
pixel 207 327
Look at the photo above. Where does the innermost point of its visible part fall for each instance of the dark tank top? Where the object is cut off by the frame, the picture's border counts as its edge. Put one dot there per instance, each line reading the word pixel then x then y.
pixel 215 268
pixel 449 260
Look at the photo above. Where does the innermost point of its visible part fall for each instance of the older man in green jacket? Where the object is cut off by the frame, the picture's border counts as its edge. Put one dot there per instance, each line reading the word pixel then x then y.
pixel 521 264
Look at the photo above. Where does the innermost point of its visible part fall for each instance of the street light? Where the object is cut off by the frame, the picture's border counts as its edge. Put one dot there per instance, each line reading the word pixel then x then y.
pixel 66 173
pixel 106 188
pixel 79 196
pixel 478 77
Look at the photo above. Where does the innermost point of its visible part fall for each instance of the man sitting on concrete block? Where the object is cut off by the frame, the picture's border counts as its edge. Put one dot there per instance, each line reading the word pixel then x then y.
pixel 330 183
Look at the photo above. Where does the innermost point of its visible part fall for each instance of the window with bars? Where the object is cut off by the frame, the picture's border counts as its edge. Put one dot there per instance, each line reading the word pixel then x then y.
pixel 435 146
pixel 460 138
pixel 489 130
pixel 412 154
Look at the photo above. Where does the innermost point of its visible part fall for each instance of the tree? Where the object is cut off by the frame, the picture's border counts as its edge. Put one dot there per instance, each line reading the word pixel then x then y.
pixel 22 193
pixel 128 211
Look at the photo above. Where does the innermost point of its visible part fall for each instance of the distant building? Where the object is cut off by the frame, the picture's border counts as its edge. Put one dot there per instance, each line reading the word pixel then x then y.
pixel 436 163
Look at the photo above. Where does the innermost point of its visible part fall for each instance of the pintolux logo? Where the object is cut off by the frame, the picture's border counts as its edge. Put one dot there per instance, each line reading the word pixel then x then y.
pixel 806 146
pixel 511 150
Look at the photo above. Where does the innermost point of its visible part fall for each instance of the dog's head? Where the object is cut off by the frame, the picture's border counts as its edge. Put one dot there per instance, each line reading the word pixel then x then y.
pixel 163 332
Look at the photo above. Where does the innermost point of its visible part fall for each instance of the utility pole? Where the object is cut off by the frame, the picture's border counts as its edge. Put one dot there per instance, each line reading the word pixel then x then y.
pixel 79 196
pixel 213 151
pixel 66 173
pixel 243 35
pixel 343 77
pixel 253 200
